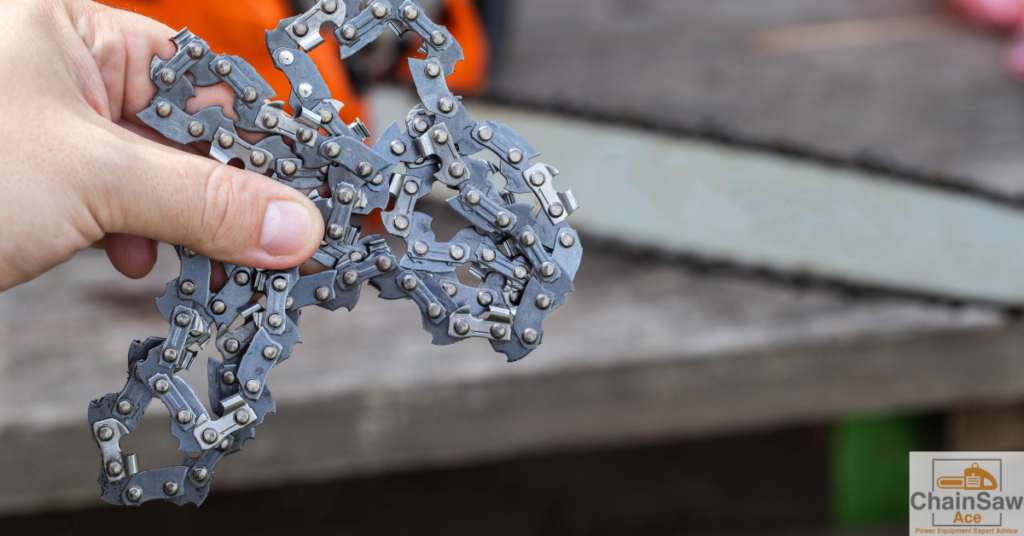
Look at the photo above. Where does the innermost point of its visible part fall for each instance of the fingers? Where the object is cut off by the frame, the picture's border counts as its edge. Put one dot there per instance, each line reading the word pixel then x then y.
pixel 219 211
pixel 1001 13
pixel 133 256
pixel 144 189
pixel 123 44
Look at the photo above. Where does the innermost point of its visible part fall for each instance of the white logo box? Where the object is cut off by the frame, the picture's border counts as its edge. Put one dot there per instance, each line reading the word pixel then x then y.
pixel 966 492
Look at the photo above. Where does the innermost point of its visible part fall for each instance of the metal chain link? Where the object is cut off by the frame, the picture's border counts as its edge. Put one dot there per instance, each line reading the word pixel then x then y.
pixel 526 263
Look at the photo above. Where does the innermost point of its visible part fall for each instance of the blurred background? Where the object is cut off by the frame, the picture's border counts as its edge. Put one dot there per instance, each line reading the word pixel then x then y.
pixel 803 238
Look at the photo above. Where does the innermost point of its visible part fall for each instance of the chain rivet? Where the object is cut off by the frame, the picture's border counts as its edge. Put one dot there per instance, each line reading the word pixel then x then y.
pixel 457 169
pixel 199 474
pixel 124 406
pixel 168 77
pixel 115 468
pixel 275 320
pixel 170 488
pixel 183 319
pixel 253 386
pixel 345 196
pixel 527 239
pixel 434 310
pixel 134 494
pixel 223 67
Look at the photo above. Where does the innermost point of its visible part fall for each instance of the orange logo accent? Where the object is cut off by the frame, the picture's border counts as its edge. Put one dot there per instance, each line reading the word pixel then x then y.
pixel 975 478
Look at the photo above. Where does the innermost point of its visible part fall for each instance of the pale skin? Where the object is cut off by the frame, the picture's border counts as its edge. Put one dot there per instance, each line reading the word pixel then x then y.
pixel 78 168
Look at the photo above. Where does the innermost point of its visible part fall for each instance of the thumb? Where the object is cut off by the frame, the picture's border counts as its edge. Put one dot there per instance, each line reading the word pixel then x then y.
pixel 217 210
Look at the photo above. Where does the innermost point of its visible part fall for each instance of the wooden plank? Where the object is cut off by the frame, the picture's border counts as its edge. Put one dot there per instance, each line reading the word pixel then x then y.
pixel 639 352
pixel 762 209
pixel 931 93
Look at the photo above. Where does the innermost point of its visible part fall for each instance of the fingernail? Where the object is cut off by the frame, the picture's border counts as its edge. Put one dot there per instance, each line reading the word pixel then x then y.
pixel 286 228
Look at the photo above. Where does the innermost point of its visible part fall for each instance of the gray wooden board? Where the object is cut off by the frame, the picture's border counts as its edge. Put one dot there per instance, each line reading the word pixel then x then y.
pixel 637 353
pixel 762 209
pixel 899 78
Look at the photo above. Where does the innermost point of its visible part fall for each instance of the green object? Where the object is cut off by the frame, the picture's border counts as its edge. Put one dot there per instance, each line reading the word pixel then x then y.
pixel 870 467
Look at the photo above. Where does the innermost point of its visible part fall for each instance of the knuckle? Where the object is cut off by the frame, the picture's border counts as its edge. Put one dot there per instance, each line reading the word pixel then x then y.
pixel 224 215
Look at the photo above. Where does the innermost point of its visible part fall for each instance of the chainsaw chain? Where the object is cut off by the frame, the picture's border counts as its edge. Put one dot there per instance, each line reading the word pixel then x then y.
pixel 525 260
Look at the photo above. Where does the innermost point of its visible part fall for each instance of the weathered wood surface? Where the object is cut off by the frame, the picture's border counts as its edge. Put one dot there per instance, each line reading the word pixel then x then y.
pixel 639 352
pixel 898 78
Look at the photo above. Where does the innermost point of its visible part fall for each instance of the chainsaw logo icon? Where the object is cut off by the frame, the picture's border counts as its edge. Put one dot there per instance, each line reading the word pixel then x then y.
pixel 975 478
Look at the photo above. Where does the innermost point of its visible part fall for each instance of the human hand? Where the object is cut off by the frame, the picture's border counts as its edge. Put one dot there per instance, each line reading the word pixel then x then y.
pixel 1004 14
pixel 78 167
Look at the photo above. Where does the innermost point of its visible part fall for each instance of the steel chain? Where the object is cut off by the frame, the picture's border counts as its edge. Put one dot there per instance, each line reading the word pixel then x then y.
pixel 526 263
